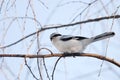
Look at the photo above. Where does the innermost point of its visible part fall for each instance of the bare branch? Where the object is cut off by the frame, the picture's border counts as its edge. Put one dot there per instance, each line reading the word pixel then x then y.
pixel 55 67
pixel 46 69
pixel 30 69
pixel 62 55
pixel 60 26
pixel 43 62
pixel 38 62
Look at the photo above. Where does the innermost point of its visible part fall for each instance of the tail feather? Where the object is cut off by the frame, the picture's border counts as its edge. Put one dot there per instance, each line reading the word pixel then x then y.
pixel 103 36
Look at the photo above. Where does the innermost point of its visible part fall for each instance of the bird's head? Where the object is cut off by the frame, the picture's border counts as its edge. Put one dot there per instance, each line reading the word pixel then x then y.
pixel 54 35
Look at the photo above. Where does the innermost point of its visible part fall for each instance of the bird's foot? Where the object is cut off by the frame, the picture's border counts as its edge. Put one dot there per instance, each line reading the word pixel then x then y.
pixel 66 54
pixel 75 54
pixel 70 54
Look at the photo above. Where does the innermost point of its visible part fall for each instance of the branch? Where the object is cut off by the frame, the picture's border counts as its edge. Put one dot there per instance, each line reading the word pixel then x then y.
pixel 62 55
pixel 60 26
pixel 55 67
pixel 46 69
pixel 30 70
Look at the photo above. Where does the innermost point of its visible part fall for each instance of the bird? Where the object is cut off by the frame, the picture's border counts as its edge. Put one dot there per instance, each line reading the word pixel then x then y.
pixel 75 44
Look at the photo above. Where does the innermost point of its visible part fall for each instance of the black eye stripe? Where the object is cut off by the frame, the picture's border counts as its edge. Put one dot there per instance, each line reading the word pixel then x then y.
pixel 56 35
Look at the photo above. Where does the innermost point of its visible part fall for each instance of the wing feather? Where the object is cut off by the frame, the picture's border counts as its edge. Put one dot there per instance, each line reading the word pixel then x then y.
pixel 68 37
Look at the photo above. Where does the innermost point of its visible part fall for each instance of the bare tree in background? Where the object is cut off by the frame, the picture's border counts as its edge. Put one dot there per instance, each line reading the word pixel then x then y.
pixel 26 52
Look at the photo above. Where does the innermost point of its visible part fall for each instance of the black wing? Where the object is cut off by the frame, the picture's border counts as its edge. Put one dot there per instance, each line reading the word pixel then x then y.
pixel 67 37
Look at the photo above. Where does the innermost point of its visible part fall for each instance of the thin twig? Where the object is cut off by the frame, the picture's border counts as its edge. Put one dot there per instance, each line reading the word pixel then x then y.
pixel 1 5
pixel 43 4
pixel 39 67
pixel 38 62
pixel 61 26
pixel 46 68
pixel 55 67
pixel 89 4
pixel 43 61
pixel 13 3
pixel 107 45
pixel 30 69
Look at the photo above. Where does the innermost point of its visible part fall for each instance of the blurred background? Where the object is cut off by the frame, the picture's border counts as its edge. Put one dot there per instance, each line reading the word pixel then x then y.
pixel 19 18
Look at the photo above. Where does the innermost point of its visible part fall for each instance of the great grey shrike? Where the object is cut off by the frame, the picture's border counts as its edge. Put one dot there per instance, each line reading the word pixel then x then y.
pixel 75 44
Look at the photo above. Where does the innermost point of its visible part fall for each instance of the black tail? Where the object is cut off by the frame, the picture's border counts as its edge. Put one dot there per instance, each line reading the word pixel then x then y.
pixel 103 36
